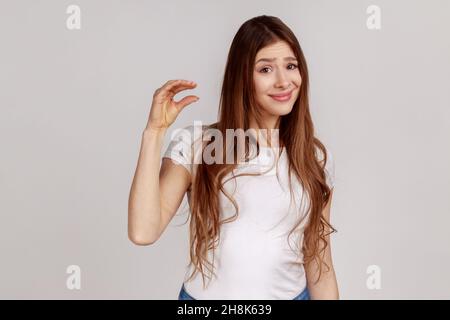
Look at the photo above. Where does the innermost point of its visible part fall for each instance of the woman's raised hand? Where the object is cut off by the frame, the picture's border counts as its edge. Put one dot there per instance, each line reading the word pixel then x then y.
pixel 164 109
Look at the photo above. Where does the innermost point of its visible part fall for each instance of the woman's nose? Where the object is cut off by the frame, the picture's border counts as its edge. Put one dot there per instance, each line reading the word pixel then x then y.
pixel 282 80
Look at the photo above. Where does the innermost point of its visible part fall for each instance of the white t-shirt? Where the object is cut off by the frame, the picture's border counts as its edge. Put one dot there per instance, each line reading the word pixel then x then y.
pixel 253 259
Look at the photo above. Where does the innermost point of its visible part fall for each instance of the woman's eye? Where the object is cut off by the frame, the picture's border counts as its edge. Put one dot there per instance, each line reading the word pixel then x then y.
pixel 262 70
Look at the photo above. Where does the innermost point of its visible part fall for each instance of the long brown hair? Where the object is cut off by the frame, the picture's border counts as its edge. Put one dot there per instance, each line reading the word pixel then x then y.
pixel 296 135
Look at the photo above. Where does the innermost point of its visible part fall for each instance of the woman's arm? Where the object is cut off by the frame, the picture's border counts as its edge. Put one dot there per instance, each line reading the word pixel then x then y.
pixel 327 287
pixel 156 193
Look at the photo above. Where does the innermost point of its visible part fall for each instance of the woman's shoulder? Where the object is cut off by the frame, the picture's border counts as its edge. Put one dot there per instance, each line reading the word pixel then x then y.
pixel 189 133
pixel 193 130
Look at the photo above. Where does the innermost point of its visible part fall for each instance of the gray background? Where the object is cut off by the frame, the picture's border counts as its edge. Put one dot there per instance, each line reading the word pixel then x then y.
pixel 74 104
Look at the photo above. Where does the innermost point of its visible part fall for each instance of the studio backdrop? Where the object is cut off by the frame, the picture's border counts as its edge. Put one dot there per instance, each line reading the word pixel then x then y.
pixel 77 80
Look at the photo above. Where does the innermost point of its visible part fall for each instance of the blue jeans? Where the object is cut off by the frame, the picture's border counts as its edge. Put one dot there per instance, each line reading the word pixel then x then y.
pixel 183 295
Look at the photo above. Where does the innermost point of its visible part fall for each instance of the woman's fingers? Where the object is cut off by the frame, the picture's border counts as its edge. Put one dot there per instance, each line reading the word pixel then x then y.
pixel 186 101
pixel 172 87
pixel 164 109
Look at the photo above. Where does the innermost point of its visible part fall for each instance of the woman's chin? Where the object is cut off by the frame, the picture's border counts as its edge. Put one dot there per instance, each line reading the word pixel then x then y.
pixel 280 110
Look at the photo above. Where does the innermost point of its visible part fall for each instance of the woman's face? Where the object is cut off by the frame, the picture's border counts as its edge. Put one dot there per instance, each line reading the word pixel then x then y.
pixel 273 76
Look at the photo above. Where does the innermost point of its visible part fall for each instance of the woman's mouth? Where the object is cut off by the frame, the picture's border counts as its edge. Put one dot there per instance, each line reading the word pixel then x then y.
pixel 282 98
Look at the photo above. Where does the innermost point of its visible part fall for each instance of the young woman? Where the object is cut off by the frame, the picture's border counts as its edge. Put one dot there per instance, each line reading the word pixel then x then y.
pixel 258 229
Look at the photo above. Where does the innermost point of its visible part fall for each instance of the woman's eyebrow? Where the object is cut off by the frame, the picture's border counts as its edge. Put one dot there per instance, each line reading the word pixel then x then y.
pixel 272 59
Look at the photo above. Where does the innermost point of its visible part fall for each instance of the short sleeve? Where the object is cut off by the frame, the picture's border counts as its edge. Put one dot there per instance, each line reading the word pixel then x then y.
pixel 329 168
pixel 185 146
pixel 180 147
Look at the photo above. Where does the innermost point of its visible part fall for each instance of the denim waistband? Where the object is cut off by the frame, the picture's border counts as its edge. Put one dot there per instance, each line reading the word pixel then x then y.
pixel 183 295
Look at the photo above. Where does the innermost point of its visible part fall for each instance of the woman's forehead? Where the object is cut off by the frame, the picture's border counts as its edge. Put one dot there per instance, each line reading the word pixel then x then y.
pixel 278 50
